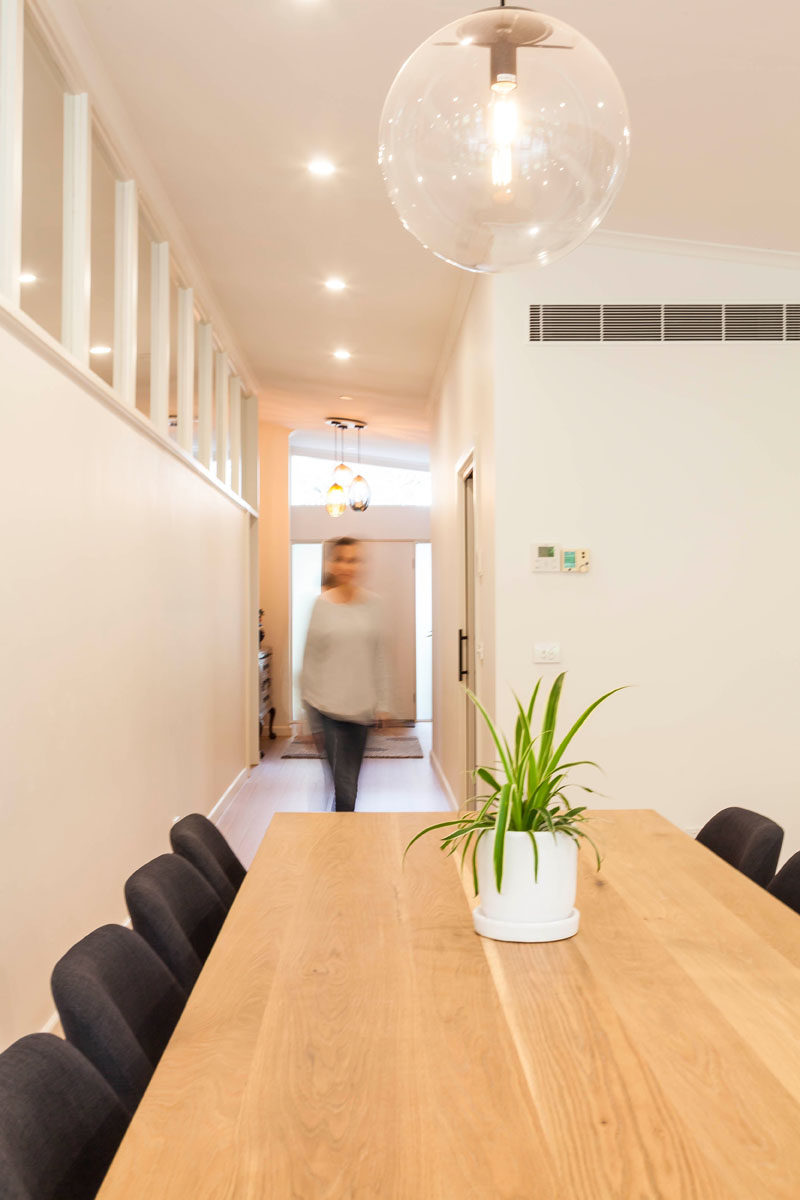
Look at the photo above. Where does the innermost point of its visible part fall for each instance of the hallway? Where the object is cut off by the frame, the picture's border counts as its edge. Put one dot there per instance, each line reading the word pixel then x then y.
pixel 295 785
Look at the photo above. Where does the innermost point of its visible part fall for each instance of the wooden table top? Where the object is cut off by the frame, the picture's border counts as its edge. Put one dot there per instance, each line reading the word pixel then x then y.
pixel 351 1036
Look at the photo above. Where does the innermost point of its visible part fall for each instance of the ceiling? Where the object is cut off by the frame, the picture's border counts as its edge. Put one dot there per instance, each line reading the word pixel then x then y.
pixel 231 101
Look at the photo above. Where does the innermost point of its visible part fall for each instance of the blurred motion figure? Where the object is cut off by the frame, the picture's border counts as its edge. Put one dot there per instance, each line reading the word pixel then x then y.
pixel 344 681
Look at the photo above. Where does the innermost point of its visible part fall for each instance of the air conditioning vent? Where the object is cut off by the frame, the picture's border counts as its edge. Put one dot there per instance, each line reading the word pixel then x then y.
pixel 753 322
pixel 536 323
pixel 632 323
pixel 793 322
pixel 571 323
pixel 664 322
pixel 692 322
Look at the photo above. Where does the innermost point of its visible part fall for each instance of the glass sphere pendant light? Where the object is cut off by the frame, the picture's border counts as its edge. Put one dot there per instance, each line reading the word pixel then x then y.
pixel 504 140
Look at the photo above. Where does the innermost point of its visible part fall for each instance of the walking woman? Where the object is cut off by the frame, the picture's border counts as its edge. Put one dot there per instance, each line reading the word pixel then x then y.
pixel 344 681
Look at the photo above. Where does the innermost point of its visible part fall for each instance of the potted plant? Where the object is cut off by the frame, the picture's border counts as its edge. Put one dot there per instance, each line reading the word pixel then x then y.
pixel 524 836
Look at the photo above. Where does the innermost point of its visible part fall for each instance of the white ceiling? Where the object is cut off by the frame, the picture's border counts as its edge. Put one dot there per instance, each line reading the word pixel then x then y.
pixel 231 101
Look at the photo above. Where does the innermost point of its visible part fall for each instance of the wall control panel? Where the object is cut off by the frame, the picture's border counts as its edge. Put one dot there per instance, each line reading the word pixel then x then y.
pixel 545 556
pixel 575 560
pixel 549 558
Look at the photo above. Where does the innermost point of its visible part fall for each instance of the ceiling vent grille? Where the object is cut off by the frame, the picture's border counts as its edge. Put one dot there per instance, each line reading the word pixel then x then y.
pixel 664 322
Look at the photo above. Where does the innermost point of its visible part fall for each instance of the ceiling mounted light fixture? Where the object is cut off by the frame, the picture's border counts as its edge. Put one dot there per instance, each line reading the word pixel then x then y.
pixel 28 277
pixel 100 350
pixel 504 140
pixel 335 285
pixel 321 166
pixel 343 355
pixel 345 489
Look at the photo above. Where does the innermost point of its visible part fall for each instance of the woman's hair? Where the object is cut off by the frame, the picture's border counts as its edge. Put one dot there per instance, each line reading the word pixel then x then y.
pixel 345 541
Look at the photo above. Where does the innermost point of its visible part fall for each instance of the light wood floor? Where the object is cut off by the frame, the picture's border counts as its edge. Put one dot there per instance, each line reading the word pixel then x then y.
pixel 297 785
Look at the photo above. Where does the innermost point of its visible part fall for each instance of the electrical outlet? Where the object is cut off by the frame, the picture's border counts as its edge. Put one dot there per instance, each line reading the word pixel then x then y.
pixel 547 652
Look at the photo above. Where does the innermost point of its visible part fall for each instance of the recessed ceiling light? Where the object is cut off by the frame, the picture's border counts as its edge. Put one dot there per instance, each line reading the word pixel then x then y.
pixel 28 277
pixel 321 166
pixel 100 350
pixel 341 354
pixel 335 285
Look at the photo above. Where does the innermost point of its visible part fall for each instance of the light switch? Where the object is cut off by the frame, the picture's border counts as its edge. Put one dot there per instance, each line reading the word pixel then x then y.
pixel 547 652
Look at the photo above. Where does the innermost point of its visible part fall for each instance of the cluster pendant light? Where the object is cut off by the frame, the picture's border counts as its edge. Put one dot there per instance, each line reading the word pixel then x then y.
pixel 346 488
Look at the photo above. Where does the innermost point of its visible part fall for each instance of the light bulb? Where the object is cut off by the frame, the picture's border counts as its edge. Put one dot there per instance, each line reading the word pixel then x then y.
pixel 505 125
pixel 343 475
pixel 335 501
pixel 360 494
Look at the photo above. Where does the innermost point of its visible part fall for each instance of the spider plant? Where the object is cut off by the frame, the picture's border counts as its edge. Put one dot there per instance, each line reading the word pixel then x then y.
pixel 527 786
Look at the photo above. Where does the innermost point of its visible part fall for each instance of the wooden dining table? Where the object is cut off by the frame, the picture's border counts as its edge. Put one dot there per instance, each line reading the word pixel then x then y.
pixel 352 1036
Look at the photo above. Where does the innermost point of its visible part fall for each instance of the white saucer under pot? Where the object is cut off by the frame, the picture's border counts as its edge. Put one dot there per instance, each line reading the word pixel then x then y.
pixel 528 909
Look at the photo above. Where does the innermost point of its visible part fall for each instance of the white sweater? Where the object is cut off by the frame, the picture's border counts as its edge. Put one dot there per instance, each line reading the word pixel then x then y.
pixel 344 666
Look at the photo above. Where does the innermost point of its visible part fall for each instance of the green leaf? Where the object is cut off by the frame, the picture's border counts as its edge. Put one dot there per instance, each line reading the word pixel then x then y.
pixel 587 713
pixel 501 826
pixel 535 845
pixel 430 829
pixel 489 778
pixel 549 722
pixel 503 752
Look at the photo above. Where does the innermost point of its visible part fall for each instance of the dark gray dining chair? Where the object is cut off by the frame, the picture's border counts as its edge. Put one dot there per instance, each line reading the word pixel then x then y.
pixel 118 1004
pixel 747 840
pixel 60 1122
pixel 786 884
pixel 199 841
pixel 177 912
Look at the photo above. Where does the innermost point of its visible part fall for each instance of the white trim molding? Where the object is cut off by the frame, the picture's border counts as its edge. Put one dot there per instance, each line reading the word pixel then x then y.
pixel 645 243
pixel 443 780
pixel 77 263
pixel 12 18
pixel 126 289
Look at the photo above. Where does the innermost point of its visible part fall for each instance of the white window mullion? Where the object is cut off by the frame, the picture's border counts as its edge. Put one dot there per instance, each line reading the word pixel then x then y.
pixel 76 270
pixel 222 373
pixel 236 434
pixel 11 62
pixel 159 336
pixel 185 368
pixel 250 450
pixel 205 392
pixel 126 289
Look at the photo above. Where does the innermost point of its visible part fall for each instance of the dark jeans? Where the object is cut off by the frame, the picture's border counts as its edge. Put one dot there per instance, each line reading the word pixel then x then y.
pixel 343 744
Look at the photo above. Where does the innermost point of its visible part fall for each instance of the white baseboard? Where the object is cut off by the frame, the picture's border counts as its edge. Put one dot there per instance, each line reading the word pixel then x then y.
pixel 228 795
pixel 440 775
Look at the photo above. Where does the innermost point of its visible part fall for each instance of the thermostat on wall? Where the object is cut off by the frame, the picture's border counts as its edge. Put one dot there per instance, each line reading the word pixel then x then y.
pixel 545 556
pixel 575 560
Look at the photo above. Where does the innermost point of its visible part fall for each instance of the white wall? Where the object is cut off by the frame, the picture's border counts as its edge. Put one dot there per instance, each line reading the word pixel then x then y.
pixel 463 422
pixel 122 680
pixel 677 465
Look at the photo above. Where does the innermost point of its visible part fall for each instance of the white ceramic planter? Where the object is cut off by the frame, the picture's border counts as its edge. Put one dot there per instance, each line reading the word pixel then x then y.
pixel 528 909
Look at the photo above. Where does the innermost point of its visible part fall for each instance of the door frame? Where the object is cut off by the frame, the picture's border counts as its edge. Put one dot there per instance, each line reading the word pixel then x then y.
pixel 466 468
